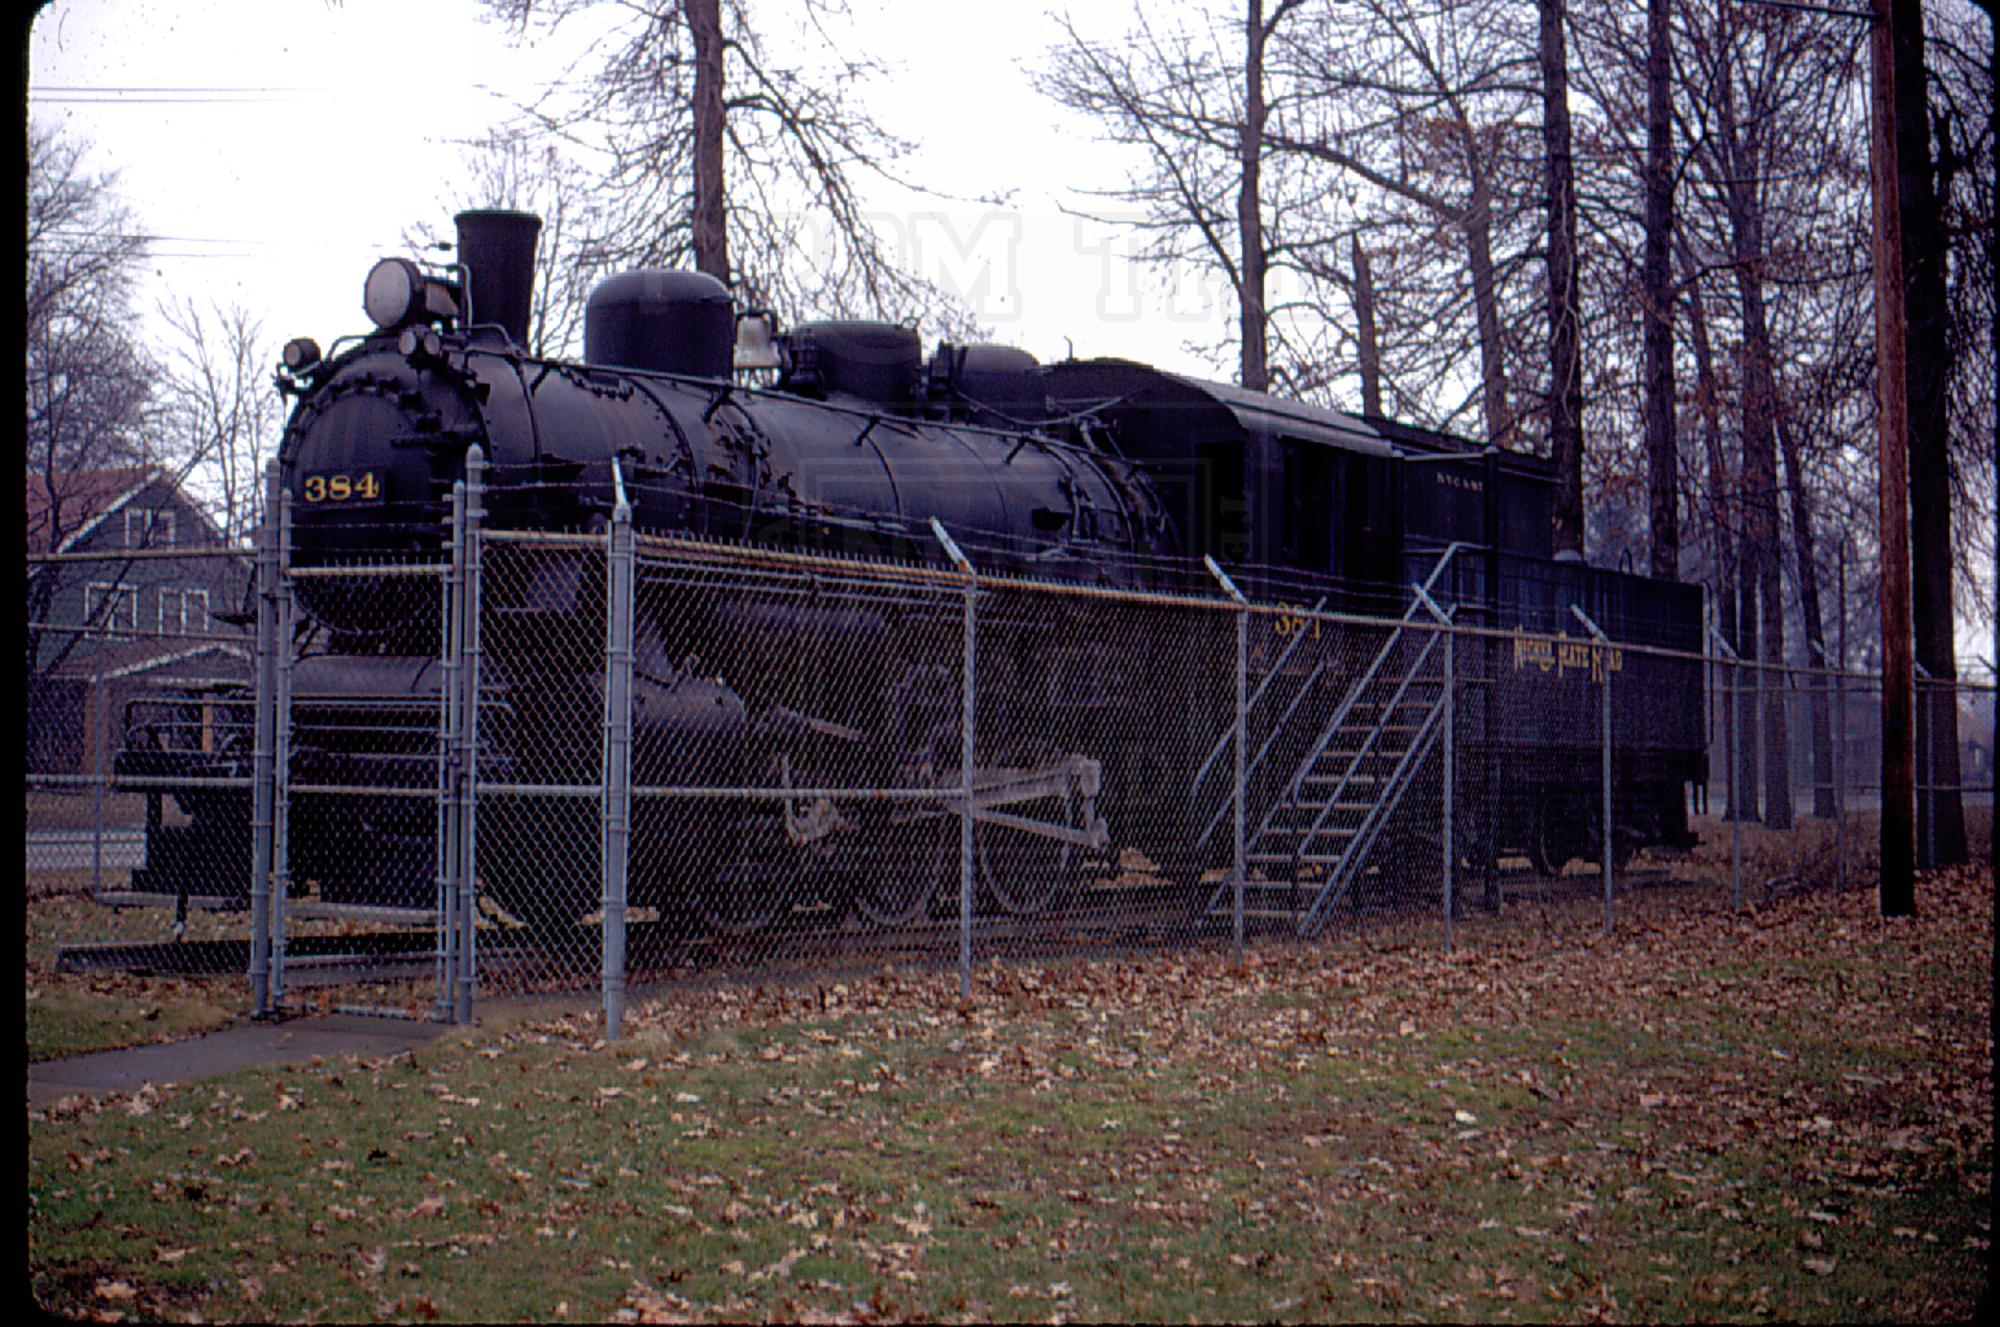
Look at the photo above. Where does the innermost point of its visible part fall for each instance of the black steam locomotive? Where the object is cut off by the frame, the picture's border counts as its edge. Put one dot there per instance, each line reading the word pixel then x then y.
pixel 1102 472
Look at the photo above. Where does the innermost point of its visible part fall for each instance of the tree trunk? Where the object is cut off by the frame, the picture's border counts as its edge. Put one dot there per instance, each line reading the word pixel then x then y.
pixel 1759 549
pixel 1818 718
pixel 710 225
pixel 1249 216
pixel 1485 305
pixel 1656 299
pixel 1753 689
pixel 1896 890
pixel 1565 352
pixel 1741 796
pixel 1364 319
pixel 1940 813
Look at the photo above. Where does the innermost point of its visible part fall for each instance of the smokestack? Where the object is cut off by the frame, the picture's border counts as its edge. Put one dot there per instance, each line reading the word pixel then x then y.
pixel 498 251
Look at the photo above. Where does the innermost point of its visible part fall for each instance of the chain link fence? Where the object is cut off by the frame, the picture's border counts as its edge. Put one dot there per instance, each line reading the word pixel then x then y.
pixel 137 709
pixel 509 761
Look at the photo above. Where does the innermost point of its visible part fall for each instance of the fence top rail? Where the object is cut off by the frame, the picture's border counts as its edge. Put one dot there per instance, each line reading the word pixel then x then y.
pixel 549 538
pixel 912 573
pixel 705 554
pixel 370 569
pixel 140 633
pixel 244 555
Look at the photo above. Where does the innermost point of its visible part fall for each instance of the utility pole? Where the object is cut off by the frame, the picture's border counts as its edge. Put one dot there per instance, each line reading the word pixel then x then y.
pixel 1897 891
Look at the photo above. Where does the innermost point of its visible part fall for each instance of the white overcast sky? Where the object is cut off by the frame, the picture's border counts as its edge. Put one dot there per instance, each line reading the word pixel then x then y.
pixel 277 147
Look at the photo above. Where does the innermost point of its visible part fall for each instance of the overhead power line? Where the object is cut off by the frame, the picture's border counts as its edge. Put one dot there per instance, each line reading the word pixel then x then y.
pixel 68 94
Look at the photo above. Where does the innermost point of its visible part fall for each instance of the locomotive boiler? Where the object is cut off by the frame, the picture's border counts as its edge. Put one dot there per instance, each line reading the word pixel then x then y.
pixel 1103 472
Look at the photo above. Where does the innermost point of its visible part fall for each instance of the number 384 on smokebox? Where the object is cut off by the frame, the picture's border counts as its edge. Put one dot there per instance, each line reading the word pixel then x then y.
pixel 360 486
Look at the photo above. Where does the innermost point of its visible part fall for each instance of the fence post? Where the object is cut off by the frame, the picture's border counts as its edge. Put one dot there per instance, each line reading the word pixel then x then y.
pixel 965 749
pixel 1236 869
pixel 468 834
pixel 1609 834
pixel 102 710
pixel 1926 775
pixel 618 608
pixel 1450 862
pixel 281 746
pixel 263 729
pixel 1759 794
pixel 1450 722
pixel 1735 811
pixel 1840 779
pixel 451 643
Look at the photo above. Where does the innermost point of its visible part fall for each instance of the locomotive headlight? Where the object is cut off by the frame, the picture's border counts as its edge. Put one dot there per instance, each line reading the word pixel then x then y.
pixel 301 354
pixel 394 293
pixel 419 343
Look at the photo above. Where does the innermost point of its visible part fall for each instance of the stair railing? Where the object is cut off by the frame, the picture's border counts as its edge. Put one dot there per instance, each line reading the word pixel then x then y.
pixel 1224 742
pixel 1393 788
pixel 1355 692
pixel 1422 599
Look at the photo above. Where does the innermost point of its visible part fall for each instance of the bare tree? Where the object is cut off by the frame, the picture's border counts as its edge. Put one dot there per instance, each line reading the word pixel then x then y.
pixel 1779 186
pixel 708 227
pixel 1422 104
pixel 88 378
pixel 1925 180
pixel 89 384
pixel 795 232
pixel 220 411
pixel 1249 199
pixel 1959 59
pixel 1192 97
pixel 1367 345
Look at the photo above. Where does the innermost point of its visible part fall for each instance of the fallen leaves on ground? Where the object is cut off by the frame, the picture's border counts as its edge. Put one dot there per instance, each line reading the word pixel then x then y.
pixel 1371 1124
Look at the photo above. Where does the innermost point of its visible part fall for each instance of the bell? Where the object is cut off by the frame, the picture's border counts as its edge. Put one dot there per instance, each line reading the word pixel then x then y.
pixel 755 348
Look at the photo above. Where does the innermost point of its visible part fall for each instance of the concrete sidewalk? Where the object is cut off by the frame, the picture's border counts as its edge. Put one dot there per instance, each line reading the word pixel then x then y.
pixel 244 1047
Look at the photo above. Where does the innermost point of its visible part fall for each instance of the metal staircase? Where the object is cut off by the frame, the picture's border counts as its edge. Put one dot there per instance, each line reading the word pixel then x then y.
pixel 1314 839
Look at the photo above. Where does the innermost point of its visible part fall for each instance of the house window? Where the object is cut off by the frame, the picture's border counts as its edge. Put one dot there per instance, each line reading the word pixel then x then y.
pixel 183 612
pixel 149 527
pixel 111 608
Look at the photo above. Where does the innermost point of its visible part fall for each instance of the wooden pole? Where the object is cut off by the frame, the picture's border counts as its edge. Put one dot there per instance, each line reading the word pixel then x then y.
pixel 1897 891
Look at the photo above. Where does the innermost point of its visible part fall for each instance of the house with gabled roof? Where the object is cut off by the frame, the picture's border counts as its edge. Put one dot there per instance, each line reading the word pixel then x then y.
pixel 130 588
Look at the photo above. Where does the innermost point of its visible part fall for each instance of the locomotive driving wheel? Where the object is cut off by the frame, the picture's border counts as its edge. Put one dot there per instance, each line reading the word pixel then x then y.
pixel 1025 874
pixel 905 864
pixel 748 887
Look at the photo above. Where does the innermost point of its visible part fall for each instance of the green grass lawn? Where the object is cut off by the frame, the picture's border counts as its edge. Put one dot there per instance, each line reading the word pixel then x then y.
pixel 1781 1114
pixel 68 1013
